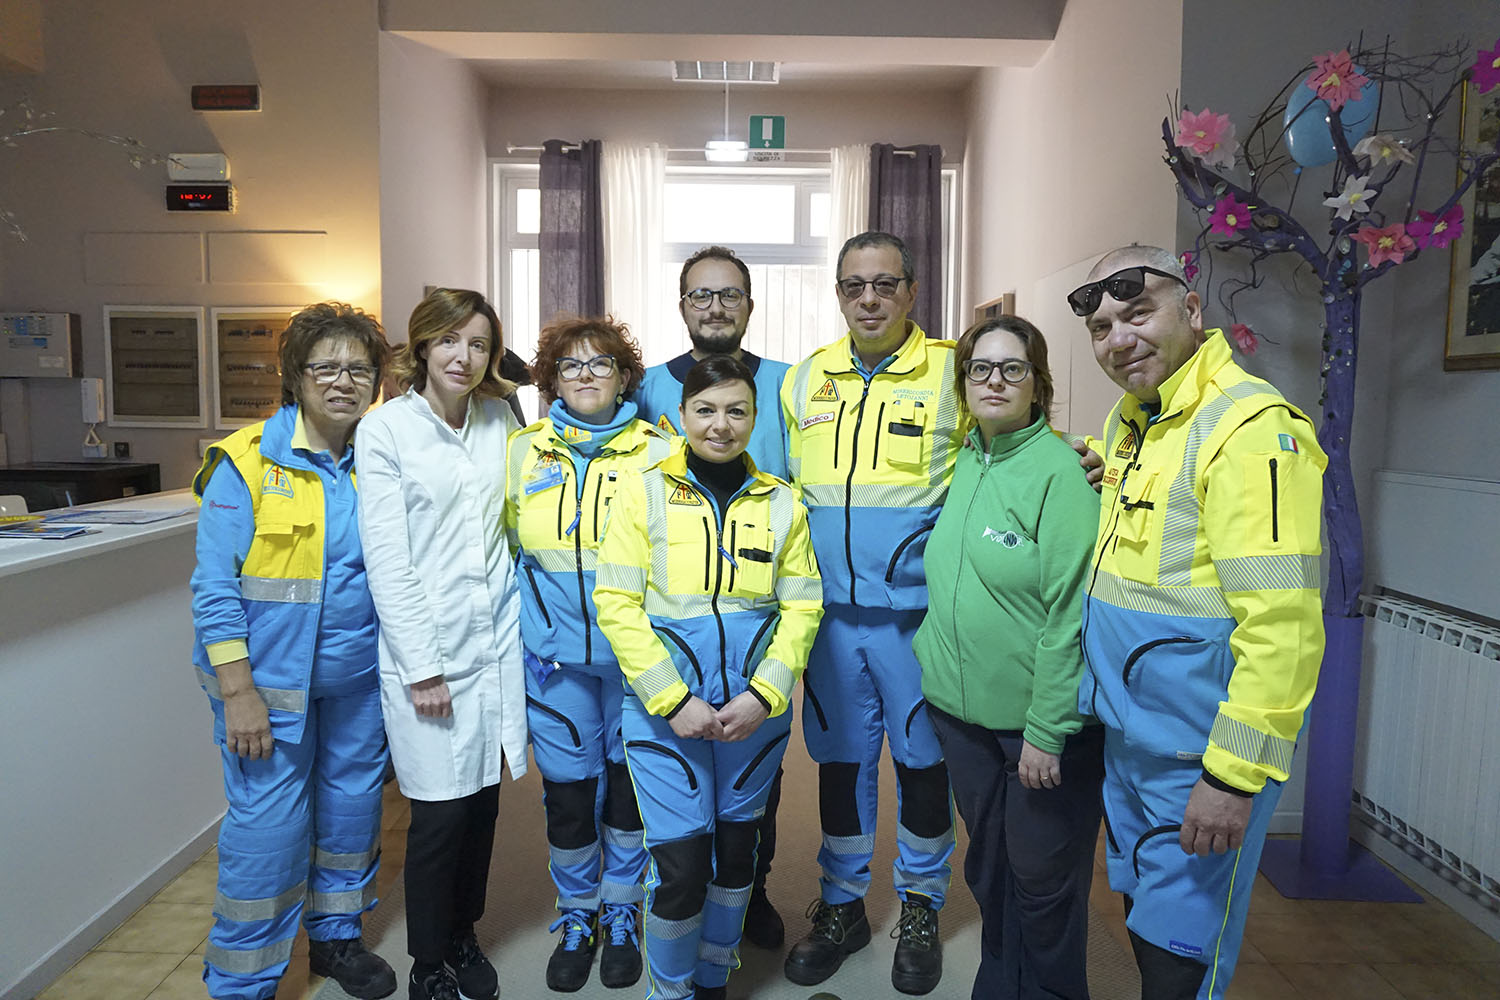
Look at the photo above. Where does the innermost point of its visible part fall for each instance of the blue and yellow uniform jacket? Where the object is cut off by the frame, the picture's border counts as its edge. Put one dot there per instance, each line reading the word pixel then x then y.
pixel 1202 623
pixel 660 395
pixel 555 512
pixel 696 602
pixel 873 454
pixel 280 577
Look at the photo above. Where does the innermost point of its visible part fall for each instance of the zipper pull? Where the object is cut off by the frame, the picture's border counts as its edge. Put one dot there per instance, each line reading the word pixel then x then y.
pixel 725 553
pixel 577 516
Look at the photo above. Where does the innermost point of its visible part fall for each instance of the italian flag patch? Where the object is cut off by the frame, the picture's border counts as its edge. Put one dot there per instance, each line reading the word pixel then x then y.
pixel 1288 443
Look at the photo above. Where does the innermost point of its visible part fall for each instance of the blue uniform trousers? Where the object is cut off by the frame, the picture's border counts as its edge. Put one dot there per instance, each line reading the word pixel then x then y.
pixel 863 685
pixel 594 842
pixel 321 794
pixel 701 801
pixel 1188 905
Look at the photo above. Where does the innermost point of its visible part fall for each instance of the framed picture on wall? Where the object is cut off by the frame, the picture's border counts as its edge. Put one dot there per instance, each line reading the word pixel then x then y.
pixel 1474 280
pixel 153 373
pixel 1004 305
pixel 246 380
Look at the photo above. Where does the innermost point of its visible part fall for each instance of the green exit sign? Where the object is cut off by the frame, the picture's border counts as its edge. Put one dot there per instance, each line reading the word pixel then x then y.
pixel 768 131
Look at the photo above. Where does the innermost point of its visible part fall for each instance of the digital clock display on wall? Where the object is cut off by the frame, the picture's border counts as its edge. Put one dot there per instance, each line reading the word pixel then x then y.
pixel 200 197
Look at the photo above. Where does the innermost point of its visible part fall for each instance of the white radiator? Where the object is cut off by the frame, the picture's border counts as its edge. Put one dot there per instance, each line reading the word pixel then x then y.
pixel 1427 757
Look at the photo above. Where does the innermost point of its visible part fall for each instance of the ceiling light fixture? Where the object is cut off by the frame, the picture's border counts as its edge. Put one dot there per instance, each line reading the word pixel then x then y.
pixel 726 150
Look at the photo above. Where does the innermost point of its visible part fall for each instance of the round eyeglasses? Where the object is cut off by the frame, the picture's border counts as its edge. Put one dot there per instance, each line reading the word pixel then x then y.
pixel 599 366
pixel 328 372
pixel 702 298
pixel 979 370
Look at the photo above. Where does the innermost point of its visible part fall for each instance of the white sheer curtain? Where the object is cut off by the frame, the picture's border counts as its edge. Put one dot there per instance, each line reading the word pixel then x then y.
pixel 849 198
pixel 632 187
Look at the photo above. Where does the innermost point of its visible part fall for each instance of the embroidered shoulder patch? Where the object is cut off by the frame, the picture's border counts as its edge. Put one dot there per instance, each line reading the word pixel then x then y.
pixel 276 481
pixel 1288 443
pixel 664 425
pixel 827 393
pixel 685 496
pixel 815 419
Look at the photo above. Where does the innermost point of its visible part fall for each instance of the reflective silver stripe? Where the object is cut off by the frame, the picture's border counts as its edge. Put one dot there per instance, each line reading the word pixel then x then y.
pixel 799 588
pixel 1250 744
pixel 626 839
pixel 715 954
pixel 873 495
pixel 658 448
pixel 348 901
pixel 853 888
pixel 631 579
pixel 776 674
pixel 800 376
pixel 515 458
pixel 1190 602
pixel 671 930
pixel 656 526
pixel 282 699
pixel 862 843
pixel 616 892
pixel 924 845
pixel 661 990
pixel 725 896
pixel 655 679
pixel 277 590
pixel 267 908
pixel 578 902
pixel 945 425
pixel 681 607
pixel 1287 572
pixel 355 862
pixel 248 963
pixel 574 855
pixel 563 560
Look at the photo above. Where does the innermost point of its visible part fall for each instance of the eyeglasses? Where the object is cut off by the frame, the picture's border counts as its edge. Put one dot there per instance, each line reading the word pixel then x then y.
pixel 1122 286
pixel 978 370
pixel 885 286
pixel 702 298
pixel 328 372
pixel 571 369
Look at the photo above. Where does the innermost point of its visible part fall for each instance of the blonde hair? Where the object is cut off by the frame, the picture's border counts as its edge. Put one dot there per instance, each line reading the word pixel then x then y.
pixel 441 312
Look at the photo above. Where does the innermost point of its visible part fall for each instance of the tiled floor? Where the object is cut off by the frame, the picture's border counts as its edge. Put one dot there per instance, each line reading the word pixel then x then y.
pixel 1293 949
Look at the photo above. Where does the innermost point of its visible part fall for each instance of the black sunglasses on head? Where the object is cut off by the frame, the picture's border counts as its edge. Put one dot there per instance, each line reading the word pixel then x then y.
pixel 1122 286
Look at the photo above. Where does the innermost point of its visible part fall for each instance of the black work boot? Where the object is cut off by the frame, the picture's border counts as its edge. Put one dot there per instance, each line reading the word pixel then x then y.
pixel 359 972
pixel 918 965
pixel 568 968
pixel 472 971
pixel 438 984
pixel 763 926
pixel 620 959
pixel 838 930
pixel 710 992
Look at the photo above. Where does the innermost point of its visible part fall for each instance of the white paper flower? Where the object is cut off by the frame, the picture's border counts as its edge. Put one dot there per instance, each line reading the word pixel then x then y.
pixel 1354 198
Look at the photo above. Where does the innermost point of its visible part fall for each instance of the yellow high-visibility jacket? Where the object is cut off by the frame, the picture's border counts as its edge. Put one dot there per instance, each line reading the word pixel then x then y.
pixel 696 604
pixel 1203 624
pixel 873 454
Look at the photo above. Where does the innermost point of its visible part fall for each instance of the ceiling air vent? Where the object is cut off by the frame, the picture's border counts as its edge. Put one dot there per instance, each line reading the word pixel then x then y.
pixel 719 71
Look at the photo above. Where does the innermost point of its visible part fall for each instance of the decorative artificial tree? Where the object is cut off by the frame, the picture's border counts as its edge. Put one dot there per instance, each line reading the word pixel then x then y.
pixel 1330 112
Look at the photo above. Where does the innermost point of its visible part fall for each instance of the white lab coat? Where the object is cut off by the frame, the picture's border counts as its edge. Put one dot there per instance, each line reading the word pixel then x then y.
pixel 441 572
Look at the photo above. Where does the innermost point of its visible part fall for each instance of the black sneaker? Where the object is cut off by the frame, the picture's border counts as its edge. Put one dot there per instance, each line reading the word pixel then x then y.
pixel 710 992
pixel 473 972
pixel 763 926
pixel 568 968
pixel 436 985
pixel 838 930
pixel 918 965
pixel 620 958
pixel 359 972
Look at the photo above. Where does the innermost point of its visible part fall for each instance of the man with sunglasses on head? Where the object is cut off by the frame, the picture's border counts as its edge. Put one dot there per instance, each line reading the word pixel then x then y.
pixel 873 432
pixel 1202 623
pixel 715 304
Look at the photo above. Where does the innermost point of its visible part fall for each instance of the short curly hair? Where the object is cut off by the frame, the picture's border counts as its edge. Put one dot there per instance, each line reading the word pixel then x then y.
pixel 314 324
pixel 442 311
pixel 609 337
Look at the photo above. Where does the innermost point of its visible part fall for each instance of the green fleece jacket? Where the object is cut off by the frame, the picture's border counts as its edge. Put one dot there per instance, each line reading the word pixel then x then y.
pixel 1006 568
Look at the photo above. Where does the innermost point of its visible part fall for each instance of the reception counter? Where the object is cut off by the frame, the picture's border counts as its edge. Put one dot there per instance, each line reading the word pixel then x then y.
pixel 111 783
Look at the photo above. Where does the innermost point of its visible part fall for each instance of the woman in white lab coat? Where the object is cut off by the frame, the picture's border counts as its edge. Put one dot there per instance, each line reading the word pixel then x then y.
pixel 432 473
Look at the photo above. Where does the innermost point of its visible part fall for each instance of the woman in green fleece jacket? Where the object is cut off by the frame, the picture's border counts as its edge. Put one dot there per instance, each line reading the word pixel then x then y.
pixel 1000 654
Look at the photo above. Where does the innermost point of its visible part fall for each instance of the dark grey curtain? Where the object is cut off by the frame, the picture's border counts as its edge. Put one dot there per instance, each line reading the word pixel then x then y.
pixel 572 235
pixel 906 200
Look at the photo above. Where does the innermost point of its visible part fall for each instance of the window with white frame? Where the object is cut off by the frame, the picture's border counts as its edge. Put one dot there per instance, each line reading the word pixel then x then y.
pixel 775 219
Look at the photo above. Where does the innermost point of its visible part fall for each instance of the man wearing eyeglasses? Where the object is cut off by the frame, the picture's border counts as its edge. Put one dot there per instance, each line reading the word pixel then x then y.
pixel 715 305
pixel 1202 626
pixel 873 432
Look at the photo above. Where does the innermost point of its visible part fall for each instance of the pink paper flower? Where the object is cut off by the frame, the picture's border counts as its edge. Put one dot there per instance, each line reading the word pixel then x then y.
pixel 1189 261
pixel 1388 243
pixel 1244 338
pixel 1208 135
pixel 1336 80
pixel 1229 215
pixel 1487 69
pixel 1432 231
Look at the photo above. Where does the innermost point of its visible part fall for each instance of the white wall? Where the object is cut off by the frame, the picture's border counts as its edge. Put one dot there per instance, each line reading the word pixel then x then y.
pixel 307 163
pixel 432 177
pixel 1063 163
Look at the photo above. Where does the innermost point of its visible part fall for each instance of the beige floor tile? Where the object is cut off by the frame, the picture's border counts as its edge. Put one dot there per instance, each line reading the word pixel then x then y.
pixel 1387 937
pixel 1260 982
pixel 1295 938
pixel 185 982
pixel 1249 954
pixel 162 927
pixel 299 984
pixel 1488 972
pixel 396 815
pixel 1457 938
pixel 1437 982
pixel 116 975
pixel 1321 982
pixel 196 885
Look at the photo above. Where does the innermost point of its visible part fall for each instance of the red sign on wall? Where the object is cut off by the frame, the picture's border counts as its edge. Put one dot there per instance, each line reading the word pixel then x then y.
pixel 226 97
